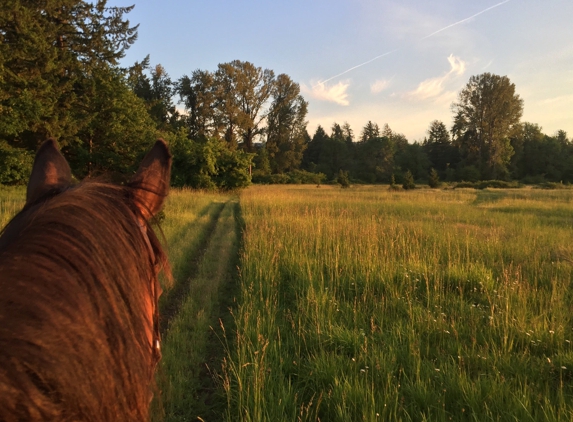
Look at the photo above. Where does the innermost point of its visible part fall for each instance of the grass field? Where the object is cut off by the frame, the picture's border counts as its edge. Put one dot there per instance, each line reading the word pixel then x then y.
pixel 366 304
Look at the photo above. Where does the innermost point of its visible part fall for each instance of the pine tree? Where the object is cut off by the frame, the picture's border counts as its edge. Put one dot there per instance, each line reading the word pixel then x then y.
pixel 409 181
pixel 434 180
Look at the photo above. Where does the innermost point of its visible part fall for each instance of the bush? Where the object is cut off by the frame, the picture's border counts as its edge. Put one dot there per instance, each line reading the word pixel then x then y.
pixel 15 165
pixel 553 185
pixel 484 184
pixel 208 164
pixel 296 177
pixel 342 179
pixel 301 177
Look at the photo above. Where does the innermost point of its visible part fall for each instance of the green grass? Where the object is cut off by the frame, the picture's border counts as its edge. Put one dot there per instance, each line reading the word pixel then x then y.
pixel 12 200
pixel 192 350
pixel 367 304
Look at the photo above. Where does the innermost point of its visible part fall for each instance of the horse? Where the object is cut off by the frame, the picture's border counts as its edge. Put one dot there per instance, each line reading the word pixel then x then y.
pixel 79 264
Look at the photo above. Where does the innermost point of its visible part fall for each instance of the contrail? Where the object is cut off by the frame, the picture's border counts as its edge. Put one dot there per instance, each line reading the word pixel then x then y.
pixel 357 66
pixel 466 19
pixel 427 36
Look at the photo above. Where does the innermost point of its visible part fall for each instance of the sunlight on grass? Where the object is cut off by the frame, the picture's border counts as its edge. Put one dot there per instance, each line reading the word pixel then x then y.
pixel 366 304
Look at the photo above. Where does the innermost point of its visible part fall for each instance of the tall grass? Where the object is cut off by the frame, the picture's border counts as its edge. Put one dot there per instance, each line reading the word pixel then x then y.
pixel 367 304
pixel 12 200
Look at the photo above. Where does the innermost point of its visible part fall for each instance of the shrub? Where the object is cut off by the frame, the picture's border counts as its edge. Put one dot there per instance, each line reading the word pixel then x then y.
pixel 15 165
pixel 342 179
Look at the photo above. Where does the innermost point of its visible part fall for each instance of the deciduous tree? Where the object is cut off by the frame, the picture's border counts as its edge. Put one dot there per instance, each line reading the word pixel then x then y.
pixel 487 112
pixel 286 132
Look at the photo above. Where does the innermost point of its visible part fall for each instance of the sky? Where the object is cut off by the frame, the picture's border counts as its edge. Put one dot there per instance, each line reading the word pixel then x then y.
pixel 387 61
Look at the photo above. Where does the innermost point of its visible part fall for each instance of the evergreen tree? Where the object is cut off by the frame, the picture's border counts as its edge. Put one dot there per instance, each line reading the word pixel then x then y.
pixel 49 52
pixel 312 154
pixel 157 90
pixel 369 132
pixel 434 179
pixel 438 147
pixel 409 181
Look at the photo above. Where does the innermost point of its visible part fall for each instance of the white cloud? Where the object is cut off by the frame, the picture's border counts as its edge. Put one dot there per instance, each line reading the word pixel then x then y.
pixel 336 94
pixel 379 86
pixel 435 87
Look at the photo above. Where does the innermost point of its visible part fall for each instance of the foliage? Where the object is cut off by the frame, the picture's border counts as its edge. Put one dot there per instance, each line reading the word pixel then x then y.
pixel 48 52
pixel 118 133
pixel 157 91
pixel 228 103
pixel 15 165
pixel 439 149
pixel 208 164
pixel 342 179
pixel 487 113
pixel 296 177
pixel 286 131
pixel 484 184
pixel 434 179
pixel 370 131
pixel 409 181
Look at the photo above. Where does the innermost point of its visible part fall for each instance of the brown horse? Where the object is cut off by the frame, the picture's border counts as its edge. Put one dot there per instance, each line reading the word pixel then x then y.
pixel 79 337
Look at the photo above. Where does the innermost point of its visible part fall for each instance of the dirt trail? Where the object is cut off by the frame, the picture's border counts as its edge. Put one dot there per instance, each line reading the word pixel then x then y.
pixel 170 308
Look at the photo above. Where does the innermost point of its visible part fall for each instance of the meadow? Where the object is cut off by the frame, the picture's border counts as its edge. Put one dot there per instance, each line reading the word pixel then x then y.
pixel 366 304
pixel 297 303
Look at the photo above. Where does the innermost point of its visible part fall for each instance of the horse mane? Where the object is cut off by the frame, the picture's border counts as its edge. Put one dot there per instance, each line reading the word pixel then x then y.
pixel 74 283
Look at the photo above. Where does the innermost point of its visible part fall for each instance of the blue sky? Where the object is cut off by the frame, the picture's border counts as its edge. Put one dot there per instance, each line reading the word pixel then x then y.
pixel 429 51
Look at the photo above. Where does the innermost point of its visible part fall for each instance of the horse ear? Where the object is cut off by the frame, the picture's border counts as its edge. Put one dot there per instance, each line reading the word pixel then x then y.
pixel 50 171
pixel 151 182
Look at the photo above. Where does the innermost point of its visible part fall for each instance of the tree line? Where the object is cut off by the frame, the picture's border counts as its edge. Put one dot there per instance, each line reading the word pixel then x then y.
pixel 60 77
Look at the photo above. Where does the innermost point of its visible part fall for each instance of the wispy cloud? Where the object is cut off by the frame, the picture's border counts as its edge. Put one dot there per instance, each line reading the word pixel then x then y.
pixel 379 86
pixel 560 100
pixel 435 87
pixel 336 93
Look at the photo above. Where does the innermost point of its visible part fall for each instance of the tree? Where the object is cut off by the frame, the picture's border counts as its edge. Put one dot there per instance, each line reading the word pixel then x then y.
pixel 434 179
pixel 48 54
pixel 411 157
pixel 119 132
pixel 375 160
pixel 157 91
pixel 438 147
pixel 542 157
pixel 343 179
pixel 370 131
pixel 409 181
pixel 286 132
pixel 311 156
pixel 242 92
pixel 486 114
pixel 208 164
pixel 198 94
